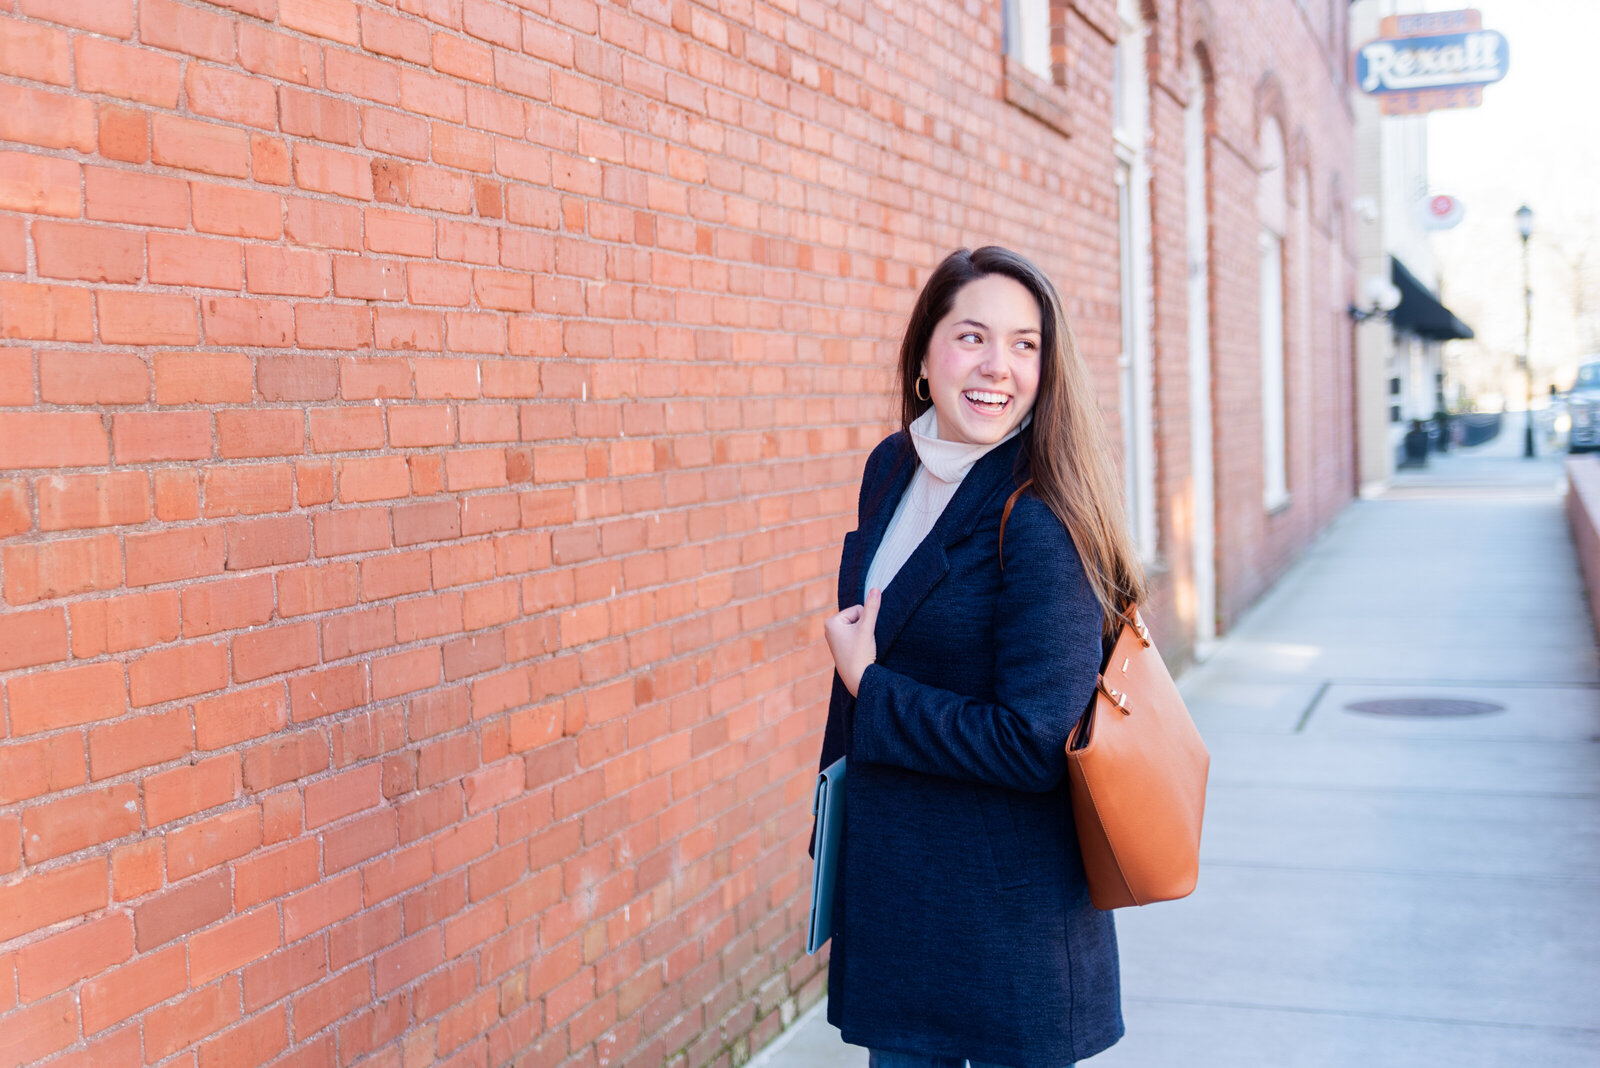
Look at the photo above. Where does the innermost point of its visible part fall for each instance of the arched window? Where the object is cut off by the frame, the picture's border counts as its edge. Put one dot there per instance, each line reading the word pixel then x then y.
pixel 1272 210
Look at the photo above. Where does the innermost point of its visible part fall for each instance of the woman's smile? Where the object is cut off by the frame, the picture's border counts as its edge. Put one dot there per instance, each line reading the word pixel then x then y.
pixel 987 402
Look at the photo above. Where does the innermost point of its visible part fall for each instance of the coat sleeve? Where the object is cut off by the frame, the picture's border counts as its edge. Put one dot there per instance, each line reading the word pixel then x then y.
pixel 1046 655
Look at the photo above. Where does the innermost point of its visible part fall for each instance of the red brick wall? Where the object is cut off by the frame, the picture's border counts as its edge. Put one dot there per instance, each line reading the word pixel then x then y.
pixel 426 433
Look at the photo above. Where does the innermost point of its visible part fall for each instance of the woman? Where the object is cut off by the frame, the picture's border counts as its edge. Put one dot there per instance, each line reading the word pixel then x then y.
pixel 962 926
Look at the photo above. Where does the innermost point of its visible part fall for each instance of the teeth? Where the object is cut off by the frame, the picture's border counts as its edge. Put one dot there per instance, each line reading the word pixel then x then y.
pixel 986 398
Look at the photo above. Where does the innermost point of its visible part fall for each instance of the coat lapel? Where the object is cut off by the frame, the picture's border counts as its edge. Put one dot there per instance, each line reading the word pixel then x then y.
pixel 928 563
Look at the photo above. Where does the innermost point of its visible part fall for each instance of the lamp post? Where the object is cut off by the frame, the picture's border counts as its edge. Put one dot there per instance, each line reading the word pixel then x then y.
pixel 1525 229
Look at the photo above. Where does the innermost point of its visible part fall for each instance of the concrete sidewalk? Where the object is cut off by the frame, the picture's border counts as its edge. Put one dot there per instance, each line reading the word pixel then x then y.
pixel 1380 889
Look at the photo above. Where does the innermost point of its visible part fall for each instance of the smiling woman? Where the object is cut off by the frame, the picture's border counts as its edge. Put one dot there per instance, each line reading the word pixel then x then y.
pixel 962 925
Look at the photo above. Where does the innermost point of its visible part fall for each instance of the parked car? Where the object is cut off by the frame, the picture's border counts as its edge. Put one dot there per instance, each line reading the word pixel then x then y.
pixel 1583 407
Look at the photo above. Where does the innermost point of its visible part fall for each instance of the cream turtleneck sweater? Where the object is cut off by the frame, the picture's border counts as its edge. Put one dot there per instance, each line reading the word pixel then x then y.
pixel 944 464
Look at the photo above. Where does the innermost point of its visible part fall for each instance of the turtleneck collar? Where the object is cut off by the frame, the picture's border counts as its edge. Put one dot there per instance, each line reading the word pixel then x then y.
pixel 949 461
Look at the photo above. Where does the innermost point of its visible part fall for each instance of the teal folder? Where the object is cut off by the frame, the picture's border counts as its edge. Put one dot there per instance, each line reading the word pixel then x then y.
pixel 828 807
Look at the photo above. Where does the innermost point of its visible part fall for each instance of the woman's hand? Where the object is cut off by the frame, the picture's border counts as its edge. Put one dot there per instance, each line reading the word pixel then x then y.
pixel 851 640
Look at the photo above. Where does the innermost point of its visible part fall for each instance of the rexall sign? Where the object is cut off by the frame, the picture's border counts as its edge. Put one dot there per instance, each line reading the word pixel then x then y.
pixel 1427 61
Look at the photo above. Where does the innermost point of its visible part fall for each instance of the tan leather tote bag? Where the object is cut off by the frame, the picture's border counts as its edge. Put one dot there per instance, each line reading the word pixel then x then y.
pixel 1137 774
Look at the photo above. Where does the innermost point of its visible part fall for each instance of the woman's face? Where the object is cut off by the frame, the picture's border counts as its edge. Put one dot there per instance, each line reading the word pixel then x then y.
pixel 983 360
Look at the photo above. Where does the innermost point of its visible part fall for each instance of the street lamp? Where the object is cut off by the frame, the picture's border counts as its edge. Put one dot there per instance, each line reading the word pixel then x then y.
pixel 1525 229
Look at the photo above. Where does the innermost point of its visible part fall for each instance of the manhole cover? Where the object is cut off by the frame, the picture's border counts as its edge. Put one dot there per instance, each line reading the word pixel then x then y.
pixel 1424 706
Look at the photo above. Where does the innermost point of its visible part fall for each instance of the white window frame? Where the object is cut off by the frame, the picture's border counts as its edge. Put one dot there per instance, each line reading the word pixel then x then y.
pixel 1027 35
pixel 1131 135
pixel 1272 208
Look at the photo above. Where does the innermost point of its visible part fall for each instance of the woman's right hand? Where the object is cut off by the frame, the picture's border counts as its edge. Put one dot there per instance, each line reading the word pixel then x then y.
pixel 852 641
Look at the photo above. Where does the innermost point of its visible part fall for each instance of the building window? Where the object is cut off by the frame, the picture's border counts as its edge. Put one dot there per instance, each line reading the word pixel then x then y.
pixel 1027 34
pixel 1272 209
pixel 1130 95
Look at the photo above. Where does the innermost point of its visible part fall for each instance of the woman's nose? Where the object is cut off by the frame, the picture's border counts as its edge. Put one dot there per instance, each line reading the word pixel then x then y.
pixel 994 363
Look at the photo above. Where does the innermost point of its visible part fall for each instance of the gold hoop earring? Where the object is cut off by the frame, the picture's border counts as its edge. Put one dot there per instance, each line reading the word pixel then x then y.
pixel 918 389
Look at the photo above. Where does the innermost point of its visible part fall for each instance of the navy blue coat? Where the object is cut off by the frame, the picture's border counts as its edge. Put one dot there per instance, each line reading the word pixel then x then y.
pixel 962 924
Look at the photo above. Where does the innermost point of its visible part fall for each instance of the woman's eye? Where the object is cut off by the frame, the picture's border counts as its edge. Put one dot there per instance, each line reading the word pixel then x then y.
pixel 971 338
pixel 1026 345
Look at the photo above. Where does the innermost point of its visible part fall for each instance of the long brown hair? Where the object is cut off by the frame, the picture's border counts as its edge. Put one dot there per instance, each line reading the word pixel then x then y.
pixel 1069 453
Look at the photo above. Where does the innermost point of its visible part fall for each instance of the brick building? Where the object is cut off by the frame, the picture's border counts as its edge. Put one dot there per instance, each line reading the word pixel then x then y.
pixel 426 434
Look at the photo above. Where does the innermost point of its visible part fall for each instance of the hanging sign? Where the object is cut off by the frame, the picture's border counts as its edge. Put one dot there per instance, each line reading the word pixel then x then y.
pixel 1441 212
pixel 1427 62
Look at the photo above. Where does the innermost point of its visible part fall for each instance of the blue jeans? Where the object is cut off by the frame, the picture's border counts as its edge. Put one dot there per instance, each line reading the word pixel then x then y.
pixel 883 1058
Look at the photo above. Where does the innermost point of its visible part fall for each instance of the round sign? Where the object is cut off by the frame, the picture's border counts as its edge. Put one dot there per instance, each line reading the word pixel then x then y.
pixel 1441 212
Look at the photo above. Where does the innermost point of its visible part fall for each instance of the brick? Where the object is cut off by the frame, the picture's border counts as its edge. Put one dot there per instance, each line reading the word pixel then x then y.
pixel 240 716
pixel 138 437
pixel 36 53
pixel 202 378
pixel 304 590
pixel 326 692
pixel 259 432
pixel 351 531
pixel 264 542
pixel 287 272
pixel 128 318
pixel 44 766
pixel 51 896
pixel 331 1000
pixel 39 185
pixel 273 873
pixel 227 604
pixel 79 377
pixel 336 20
pixel 258 323
pixel 297 378
pixel 279 55
pixel 126 72
pixel 170 555
pixel 88 253
pixel 49 120
pixel 124 134
pixel 231 96
pixel 15 517
pixel 125 196
pixel 52 439
pixel 176 28
pixel 206 147
pixel 381 478
pixel 52 964
pixel 116 995
pixel 70 502
pixel 326 170
pixel 351 633
pixel 45 313
pixel 28 639
pixel 38 1030
pixel 61 568
pixel 363 278
pixel 333 326
pixel 186 260
pixel 136 869
pixel 233 212
pixel 318 116
pixel 271 651
pixel 68 697
pixel 170 1028
pixel 346 429
pixel 56 828
pixel 233 944
pixel 177 672
pixel 248 489
pixel 139 742
pixel 172 795
pixel 177 493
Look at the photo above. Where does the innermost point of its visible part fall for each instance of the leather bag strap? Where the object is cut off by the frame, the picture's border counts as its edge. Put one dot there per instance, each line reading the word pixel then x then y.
pixel 1005 514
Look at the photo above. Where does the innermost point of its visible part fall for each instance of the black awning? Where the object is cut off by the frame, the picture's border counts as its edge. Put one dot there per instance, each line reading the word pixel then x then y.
pixel 1419 311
